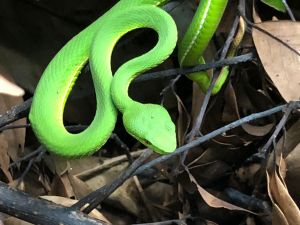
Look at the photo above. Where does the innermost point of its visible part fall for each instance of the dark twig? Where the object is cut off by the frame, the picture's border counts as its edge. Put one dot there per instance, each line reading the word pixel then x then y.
pixel 246 201
pixel 167 222
pixel 116 138
pixel 196 129
pixel 19 204
pixel 96 197
pixel 31 161
pixel 230 37
pixel 9 127
pixel 28 156
pixel 108 164
pixel 15 113
pixel 279 127
pixel 210 65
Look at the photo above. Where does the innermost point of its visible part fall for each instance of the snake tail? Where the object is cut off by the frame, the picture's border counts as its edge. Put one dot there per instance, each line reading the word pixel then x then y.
pixel 198 36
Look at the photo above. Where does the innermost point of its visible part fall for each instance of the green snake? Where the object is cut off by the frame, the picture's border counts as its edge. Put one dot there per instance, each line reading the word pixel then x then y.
pixel 148 123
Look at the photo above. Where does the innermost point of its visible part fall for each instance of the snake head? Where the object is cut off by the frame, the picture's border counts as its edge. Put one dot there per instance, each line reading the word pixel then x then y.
pixel 152 126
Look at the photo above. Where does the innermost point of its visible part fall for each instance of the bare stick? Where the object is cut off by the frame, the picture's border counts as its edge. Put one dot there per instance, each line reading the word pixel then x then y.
pixel 210 65
pixel 19 204
pixel 96 197
pixel 15 113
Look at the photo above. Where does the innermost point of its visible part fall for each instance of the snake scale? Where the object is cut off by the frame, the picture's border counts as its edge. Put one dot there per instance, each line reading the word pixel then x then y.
pixel 148 123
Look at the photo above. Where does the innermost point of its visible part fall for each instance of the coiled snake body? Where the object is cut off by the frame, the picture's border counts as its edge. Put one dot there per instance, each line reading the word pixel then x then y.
pixel 149 123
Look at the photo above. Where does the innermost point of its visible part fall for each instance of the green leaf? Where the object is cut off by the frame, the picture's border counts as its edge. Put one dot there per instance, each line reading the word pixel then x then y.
pixel 276 4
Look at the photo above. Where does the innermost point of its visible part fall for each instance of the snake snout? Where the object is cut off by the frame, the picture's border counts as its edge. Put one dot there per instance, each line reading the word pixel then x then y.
pixel 152 126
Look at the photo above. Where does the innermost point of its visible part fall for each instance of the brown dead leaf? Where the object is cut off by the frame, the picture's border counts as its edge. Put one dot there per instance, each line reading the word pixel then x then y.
pixel 11 141
pixel 80 188
pixel 235 101
pixel 244 99
pixel 61 186
pixel 213 201
pixel 286 210
pixel 15 221
pixel 258 131
pixel 60 165
pixel 4 158
pixel 210 223
pixel 9 88
pixel 278 217
pixel 293 172
pixel 289 146
pixel 280 62
pixel 290 141
pixel 67 185
pixel 69 202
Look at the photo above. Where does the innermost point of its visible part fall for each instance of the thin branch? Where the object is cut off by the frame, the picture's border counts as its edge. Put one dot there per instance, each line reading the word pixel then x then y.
pixel 19 204
pixel 9 127
pixel 96 197
pixel 210 65
pixel 197 127
pixel 247 201
pixel 28 156
pixel 109 163
pixel 230 37
pixel 121 143
pixel 15 113
pixel 28 167
pixel 278 128
pixel 167 222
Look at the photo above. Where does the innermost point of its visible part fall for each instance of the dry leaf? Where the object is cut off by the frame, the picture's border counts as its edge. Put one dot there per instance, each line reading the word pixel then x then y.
pixel 80 188
pixel 69 202
pixel 281 63
pixel 9 88
pixel 15 221
pixel 290 148
pixel 11 141
pixel 286 210
pixel 213 201
pixel 4 158
pixel 61 186
pixel 293 172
